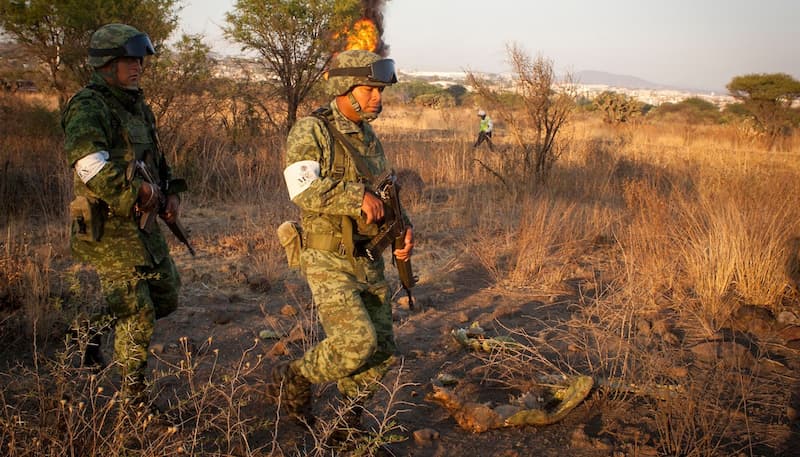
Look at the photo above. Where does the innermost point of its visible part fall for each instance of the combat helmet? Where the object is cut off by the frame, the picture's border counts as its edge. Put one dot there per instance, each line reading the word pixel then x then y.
pixel 358 67
pixel 118 40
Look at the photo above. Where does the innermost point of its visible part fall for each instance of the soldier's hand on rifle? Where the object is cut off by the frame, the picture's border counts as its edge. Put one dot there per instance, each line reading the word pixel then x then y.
pixel 149 197
pixel 372 207
pixel 405 253
pixel 171 209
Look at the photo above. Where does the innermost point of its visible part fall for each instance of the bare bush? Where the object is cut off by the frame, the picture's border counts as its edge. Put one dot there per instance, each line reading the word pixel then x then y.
pixel 535 119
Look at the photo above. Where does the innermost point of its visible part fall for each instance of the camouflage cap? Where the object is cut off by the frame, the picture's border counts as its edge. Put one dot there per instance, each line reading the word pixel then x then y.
pixel 358 67
pixel 117 40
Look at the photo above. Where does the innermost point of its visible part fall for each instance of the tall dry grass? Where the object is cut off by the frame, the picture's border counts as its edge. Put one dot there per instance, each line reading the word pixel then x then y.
pixel 663 223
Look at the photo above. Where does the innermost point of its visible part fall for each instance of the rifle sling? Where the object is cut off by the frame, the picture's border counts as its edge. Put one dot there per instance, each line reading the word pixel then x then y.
pixel 352 152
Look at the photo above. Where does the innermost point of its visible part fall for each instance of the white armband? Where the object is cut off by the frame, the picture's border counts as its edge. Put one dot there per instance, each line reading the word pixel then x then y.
pixel 90 165
pixel 300 175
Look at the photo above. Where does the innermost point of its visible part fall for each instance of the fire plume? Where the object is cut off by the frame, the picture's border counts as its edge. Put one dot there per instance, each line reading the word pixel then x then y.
pixel 364 35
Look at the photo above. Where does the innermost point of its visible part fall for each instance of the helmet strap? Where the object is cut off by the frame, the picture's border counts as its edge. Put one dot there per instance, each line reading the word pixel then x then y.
pixel 363 115
pixel 109 72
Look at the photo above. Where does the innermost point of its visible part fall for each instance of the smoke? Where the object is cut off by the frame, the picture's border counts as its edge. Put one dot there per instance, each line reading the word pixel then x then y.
pixel 373 10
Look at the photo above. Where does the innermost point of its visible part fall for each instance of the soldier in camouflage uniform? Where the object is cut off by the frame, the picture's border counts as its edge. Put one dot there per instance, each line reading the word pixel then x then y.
pixel 107 126
pixel 339 215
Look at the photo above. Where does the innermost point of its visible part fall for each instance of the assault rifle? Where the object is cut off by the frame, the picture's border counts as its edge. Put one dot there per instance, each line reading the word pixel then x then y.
pixel 392 231
pixel 148 218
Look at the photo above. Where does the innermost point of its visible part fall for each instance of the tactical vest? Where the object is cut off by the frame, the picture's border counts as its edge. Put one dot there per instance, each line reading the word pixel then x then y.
pixel 343 164
pixel 338 162
pixel 138 136
pixel 132 136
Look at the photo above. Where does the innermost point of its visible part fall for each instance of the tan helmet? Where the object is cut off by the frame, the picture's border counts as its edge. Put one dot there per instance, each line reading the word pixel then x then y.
pixel 118 40
pixel 358 67
pixel 481 113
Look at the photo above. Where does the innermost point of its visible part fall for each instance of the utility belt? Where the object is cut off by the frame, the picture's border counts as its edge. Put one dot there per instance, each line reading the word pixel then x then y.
pixel 294 239
pixel 333 243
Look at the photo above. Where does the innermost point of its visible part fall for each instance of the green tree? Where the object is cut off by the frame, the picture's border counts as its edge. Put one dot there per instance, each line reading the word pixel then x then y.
pixel 408 91
pixel 768 98
pixel 617 108
pixel 175 82
pixel 457 91
pixel 437 100
pixel 693 110
pixel 184 70
pixel 57 32
pixel 295 39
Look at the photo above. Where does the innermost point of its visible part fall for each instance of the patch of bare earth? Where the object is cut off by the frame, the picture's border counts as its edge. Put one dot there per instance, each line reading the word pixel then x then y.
pixel 256 317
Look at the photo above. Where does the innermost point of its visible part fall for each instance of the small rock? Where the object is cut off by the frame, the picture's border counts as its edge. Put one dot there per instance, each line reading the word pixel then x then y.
pixel 278 349
pixel 730 354
pixel 269 335
pixel 297 333
pixel 755 320
pixel 446 379
pixel 288 311
pixel 425 436
pixel 157 348
pixel 402 302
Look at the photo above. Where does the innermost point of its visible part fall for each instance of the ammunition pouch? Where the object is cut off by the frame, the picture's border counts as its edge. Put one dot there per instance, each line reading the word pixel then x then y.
pixel 289 235
pixel 88 218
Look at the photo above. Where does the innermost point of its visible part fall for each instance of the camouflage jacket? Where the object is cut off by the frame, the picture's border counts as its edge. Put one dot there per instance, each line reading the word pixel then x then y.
pixel 101 117
pixel 327 199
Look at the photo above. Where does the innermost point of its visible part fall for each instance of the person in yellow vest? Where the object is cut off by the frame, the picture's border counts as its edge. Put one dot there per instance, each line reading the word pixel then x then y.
pixel 485 132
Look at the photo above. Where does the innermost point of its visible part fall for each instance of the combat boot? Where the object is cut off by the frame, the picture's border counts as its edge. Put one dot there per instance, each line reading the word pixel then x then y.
pixel 292 391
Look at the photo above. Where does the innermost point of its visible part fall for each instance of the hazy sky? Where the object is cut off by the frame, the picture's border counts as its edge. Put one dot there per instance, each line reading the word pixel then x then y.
pixel 691 43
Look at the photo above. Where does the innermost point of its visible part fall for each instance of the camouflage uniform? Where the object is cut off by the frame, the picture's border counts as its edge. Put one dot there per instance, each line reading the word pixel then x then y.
pixel 350 292
pixel 139 279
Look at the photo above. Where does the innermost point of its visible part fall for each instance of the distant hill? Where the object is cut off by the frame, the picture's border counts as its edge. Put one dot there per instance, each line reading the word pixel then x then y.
pixel 611 79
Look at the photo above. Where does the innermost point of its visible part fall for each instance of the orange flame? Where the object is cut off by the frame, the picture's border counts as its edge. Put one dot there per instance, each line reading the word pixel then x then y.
pixel 363 36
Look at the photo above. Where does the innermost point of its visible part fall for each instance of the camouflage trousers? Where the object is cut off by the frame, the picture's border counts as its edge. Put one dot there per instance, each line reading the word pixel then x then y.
pixel 136 298
pixel 357 318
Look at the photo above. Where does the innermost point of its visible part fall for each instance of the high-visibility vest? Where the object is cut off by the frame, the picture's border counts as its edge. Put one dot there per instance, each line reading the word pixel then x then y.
pixel 486 124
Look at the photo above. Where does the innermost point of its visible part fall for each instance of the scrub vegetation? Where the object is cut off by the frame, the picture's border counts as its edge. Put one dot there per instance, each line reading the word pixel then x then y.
pixel 659 256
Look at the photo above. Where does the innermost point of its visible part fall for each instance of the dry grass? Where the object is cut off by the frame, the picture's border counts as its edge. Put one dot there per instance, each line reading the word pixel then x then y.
pixel 671 227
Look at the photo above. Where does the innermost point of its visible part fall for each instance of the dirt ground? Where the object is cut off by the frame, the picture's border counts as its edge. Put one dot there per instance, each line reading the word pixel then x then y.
pixel 226 298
